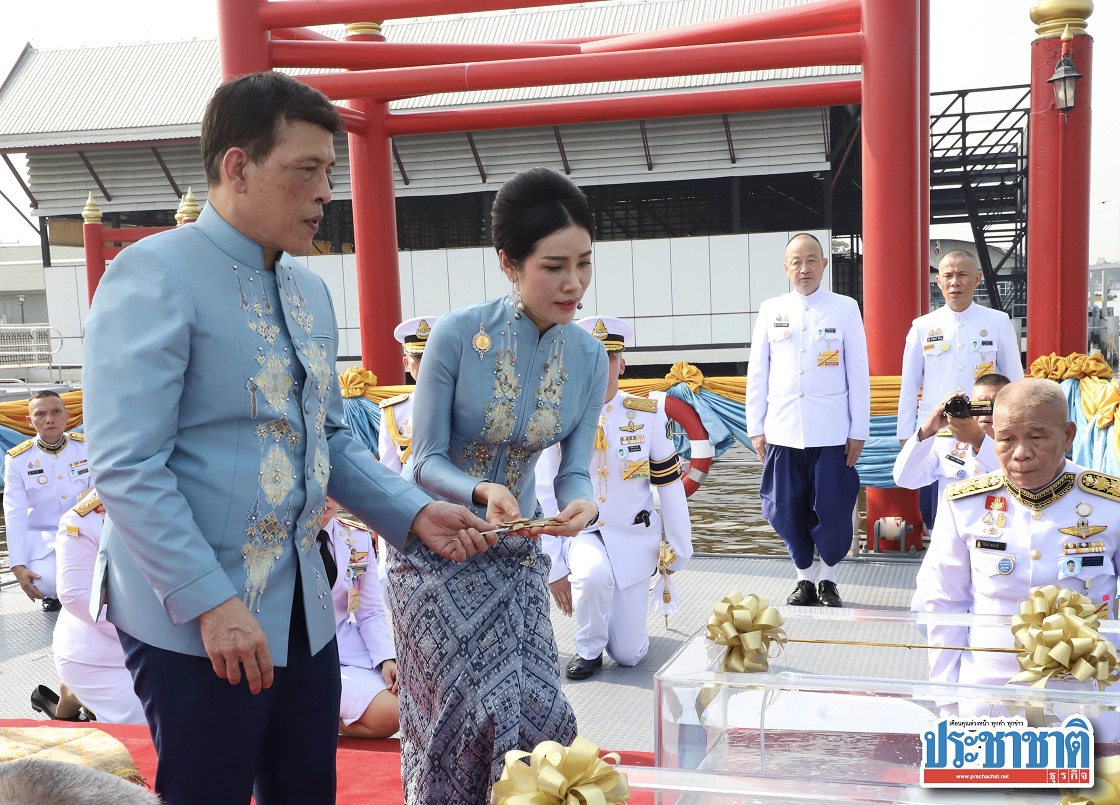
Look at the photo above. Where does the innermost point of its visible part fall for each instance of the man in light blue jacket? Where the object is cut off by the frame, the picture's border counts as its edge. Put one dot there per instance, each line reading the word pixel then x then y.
pixel 209 375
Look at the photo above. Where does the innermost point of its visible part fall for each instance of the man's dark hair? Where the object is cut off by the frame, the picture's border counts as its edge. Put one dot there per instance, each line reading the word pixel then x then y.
pixel 534 204
pixel 991 380
pixel 249 111
pixel 41 395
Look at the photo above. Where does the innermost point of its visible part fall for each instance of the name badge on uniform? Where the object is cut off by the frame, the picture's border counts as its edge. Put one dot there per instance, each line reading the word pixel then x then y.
pixel 982 369
pixel 991 545
pixel 635 470
pixel 39 471
pixel 955 458
pixel 828 357
pixel 79 468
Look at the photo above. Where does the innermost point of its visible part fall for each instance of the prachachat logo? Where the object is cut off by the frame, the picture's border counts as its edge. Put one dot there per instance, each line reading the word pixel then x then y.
pixel 1006 753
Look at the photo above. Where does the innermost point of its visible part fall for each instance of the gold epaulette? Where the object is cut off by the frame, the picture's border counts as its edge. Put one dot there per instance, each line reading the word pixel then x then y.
pixel 76 437
pixel 944 432
pixel 1107 486
pixel 974 486
pixel 640 404
pixel 22 447
pixel 353 522
pixel 89 503
pixel 393 400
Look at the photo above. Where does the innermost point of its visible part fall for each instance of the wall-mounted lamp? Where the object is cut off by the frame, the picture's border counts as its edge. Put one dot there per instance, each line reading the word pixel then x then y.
pixel 1064 82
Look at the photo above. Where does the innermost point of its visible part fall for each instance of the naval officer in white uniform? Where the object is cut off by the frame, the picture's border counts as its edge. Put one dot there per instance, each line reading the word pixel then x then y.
pixel 947 448
pixel 394 434
pixel 43 477
pixel 1001 534
pixel 948 349
pixel 366 656
pixel 808 415
pixel 602 574
pixel 87 651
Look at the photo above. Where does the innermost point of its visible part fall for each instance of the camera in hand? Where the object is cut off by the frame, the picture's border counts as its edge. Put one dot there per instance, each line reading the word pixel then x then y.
pixel 962 408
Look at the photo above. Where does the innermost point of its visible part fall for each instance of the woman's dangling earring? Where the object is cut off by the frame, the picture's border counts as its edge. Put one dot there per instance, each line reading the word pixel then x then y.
pixel 515 299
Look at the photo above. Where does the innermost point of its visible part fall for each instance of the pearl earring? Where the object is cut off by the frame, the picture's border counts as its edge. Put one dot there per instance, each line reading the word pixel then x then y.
pixel 516 301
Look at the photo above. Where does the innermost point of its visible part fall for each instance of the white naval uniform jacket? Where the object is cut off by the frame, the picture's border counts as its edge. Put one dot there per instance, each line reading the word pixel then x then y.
pixel 979 562
pixel 38 487
pixel 364 637
pixel 394 435
pixel 78 637
pixel 946 352
pixel 808 383
pixel 943 459
pixel 639 455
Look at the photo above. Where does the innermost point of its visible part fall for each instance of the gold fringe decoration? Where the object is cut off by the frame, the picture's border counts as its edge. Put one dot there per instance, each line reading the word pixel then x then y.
pixel 747 625
pixel 1106 785
pixel 560 775
pixel 1057 631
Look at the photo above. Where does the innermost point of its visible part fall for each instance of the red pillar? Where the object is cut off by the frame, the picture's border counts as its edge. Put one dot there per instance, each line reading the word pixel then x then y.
pixel 375 238
pixel 242 39
pixel 94 248
pixel 923 155
pixel 891 234
pixel 1058 177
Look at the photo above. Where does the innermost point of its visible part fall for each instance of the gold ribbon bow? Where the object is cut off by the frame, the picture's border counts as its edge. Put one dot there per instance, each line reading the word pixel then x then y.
pixel 560 775
pixel 1074 365
pixel 747 625
pixel 684 372
pixel 1057 630
pixel 1106 786
pixel 355 381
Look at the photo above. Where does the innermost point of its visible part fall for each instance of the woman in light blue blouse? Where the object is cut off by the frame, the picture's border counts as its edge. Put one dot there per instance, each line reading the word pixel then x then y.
pixel 502 381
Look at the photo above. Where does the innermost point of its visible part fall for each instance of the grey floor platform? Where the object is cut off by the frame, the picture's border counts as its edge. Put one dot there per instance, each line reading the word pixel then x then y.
pixel 614 708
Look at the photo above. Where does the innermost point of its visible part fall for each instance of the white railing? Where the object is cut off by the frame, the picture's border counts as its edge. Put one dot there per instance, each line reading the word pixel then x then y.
pixel 26 346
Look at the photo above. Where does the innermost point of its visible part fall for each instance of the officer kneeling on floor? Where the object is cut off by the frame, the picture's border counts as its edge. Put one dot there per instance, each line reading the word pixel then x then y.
pixel 1041 520
pixel 602 574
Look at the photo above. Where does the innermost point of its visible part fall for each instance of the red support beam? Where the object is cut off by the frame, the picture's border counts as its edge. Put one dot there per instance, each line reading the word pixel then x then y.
pixel 795 21
pixel 1058 206
pixel 923 155
pixel 242 40
pixel 297 13
pixel 301 35
pixel 355 121
pixel 649 107
pixel 381 55
pixel 585 68
pixel 890 120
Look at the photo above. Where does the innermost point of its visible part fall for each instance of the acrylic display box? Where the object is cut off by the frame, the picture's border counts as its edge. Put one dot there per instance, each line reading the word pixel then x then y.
pixel 845 713
pixel 656 786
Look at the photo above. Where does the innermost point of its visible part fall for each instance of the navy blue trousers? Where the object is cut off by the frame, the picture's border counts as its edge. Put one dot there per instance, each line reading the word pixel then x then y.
pixel 808 494
pixel 219 744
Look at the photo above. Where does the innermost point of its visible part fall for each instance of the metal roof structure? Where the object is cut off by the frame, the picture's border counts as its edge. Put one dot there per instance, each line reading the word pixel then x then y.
pixel 157 92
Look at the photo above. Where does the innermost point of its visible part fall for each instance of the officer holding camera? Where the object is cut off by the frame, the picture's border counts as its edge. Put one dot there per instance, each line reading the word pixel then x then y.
pixel 948 349
pixel 956 441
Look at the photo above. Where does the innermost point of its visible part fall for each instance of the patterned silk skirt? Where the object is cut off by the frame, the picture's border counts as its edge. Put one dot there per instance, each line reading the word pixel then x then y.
pixel 479 673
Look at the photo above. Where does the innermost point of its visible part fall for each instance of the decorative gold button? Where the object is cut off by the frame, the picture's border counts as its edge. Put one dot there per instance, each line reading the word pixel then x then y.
pixel 1036 554
pixel 601 523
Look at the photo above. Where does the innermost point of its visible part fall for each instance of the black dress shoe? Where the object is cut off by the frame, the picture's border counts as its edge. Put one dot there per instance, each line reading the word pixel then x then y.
pixel 45 700
pixel 579 668
pixel 51 605
pixel 803 595
pixel 829 595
